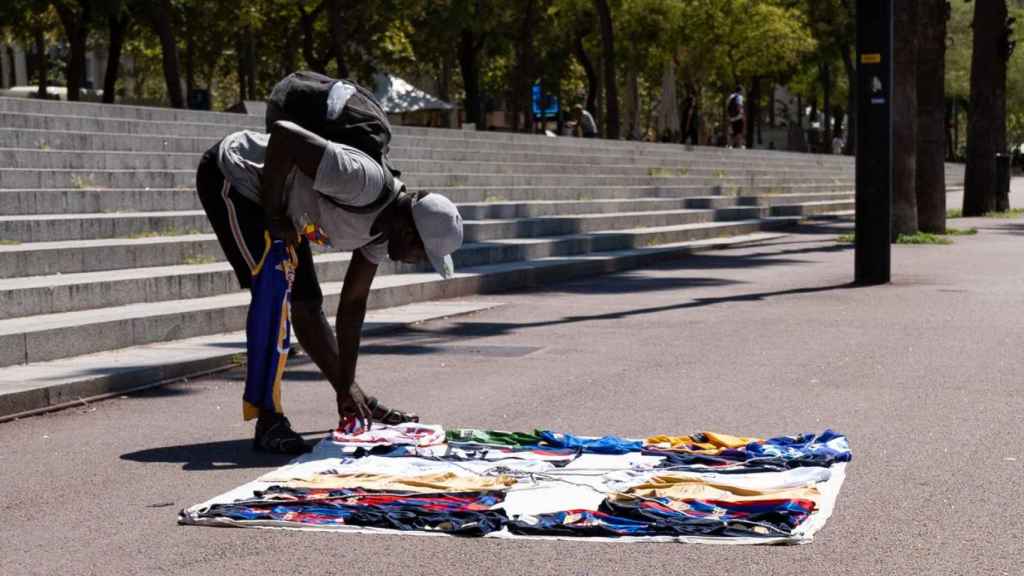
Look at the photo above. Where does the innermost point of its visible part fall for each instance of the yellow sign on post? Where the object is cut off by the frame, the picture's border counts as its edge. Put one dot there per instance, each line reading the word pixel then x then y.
pixel 870 58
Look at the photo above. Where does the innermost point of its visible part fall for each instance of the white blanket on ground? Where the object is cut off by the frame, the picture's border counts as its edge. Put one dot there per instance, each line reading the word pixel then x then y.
pixel 540 488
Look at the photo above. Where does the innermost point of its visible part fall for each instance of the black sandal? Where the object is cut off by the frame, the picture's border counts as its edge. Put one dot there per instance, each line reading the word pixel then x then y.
pixel 389 416
pixel 275 435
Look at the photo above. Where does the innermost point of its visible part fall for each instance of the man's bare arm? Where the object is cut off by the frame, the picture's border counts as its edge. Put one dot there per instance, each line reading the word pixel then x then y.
pixel 290 146
pixel 352 312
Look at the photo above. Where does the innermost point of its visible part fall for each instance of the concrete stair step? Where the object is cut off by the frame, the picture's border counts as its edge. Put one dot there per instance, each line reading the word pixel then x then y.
pixel 26 148
pixel 814 208
pixel 54 108
pixel 76 256
pixel 99 160
pixel 13 178
pixel 91 200
pixel 52 336
pixel 36 295
pixel 42 139
pixel 794 198
pixel 539 208
pixel 63 227
pixel 26 121
pixel 480 231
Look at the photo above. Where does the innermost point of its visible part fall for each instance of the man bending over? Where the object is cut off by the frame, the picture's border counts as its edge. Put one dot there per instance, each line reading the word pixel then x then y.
pixel 300 188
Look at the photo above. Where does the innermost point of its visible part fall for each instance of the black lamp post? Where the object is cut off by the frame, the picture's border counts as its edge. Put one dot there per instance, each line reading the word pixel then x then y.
pixel 874 141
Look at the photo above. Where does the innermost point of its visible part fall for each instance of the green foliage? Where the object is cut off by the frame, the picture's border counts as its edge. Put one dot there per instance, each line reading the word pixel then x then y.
pixel 958 66
pixel 922 238
pixel 919 237
pixel 1007 215
pixel 961 231
pixel 713 44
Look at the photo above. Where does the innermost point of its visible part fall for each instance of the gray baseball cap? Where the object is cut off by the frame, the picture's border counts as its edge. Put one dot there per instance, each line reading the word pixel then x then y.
pixel 440 226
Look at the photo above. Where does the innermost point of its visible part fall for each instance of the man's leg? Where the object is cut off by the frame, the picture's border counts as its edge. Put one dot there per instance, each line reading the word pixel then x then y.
pixel 240 230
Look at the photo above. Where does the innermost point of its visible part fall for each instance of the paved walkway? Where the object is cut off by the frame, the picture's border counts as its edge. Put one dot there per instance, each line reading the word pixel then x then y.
pixel 924 375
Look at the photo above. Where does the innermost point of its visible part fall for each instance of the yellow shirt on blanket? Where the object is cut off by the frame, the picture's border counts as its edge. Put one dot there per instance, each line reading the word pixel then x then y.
pixel 678 487
pixel 711 443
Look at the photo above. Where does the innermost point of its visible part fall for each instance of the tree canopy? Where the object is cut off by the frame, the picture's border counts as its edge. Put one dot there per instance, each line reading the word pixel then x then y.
pixel 479 53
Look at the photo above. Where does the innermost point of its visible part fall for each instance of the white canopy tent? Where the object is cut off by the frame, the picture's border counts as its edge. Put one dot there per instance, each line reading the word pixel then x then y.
pixel 399 97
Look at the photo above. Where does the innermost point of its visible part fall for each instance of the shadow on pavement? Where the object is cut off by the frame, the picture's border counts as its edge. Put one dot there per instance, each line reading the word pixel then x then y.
pixel 634 283
pixel 166 391
pixel 221 455
pixel 463 330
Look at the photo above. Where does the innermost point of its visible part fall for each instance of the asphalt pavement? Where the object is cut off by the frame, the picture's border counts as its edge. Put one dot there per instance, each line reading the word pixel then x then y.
pixel 924 375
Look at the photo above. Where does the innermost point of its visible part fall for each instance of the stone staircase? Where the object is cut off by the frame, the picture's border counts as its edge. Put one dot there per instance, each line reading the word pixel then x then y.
pixel 104 246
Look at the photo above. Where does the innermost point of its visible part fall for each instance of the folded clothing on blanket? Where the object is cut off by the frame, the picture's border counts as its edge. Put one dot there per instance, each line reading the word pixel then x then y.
pixel 664 517
pixel 410 433
pixel 779 453
pixel 492 437
pixel 468 514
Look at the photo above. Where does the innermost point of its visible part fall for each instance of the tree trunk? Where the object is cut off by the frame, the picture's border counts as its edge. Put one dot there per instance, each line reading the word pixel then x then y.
pixel 598 111
pixel 117 25
pixel 444 83
pixel 161 13
pixel 1006 46
pixel 7 53
pixel 190 64
pixel 444 79
pixel 588 68
pixel 753 135
pixel 42 63
pixel 522 74
pixel 335 23
pixel 290 55
pixel 250 63
pixel 631 105
pixel 987 107
pixel 826 87
pixel 76 29
pixel 904 129
pixel 306 22
pixel 931 116
pixel 611 89
pixel 851 102
pixel 243 85
pixel 470 70
pixel 950 130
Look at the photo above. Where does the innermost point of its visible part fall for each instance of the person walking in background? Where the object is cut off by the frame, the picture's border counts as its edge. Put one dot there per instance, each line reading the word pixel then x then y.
pixel 585 124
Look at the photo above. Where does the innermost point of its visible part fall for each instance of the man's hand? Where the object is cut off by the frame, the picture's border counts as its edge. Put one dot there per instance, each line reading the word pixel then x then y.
pixel 353 403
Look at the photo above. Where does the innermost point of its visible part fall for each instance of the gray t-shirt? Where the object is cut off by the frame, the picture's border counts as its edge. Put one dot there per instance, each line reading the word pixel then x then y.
pixel 345 174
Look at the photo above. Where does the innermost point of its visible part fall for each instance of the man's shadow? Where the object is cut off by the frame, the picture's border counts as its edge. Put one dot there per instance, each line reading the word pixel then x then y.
pixel 221 455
